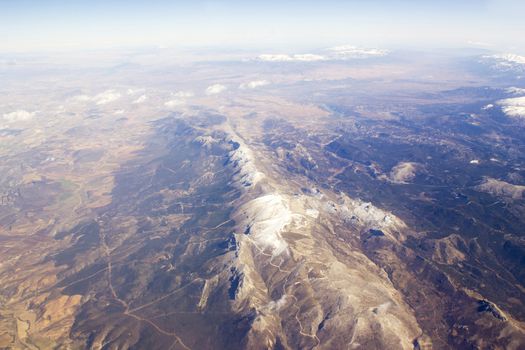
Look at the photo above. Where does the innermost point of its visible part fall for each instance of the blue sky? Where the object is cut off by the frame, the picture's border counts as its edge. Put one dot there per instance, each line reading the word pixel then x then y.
pixel 50 24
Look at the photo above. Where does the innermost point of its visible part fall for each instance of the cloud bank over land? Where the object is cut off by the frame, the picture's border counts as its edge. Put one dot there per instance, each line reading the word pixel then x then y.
pixel 291 58
pixel 345 52
pixel 337 53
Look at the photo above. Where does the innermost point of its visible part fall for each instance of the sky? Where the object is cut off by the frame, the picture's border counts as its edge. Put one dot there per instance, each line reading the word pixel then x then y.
pixel 33 25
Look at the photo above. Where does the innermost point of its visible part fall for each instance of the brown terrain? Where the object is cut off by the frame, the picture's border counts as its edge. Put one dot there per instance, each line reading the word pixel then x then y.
pixel 331 207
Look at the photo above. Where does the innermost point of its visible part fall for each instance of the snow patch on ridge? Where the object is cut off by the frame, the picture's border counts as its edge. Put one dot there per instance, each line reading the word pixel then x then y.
pixel 242 160
pixel 365 215
pixel 506 62
pixel 264 219
pixel 509 58
pixel 261 220
pixel 513 107
pixel 206 141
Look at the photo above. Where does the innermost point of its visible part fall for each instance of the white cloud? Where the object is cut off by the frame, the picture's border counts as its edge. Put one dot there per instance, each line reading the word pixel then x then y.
pixel 174 103
pixel 513 107
pixel 183 94
pixel 106 97
pixel 19 115
pixel 254 84
pixel 134 91
pixel 180 98
pixel 82 98
pixel 343 52
pixel 100 99
pixel 291 58
pixel 275 58
pixel 140 99
pixel 308 57
pixel 478 43
pixel 215 89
